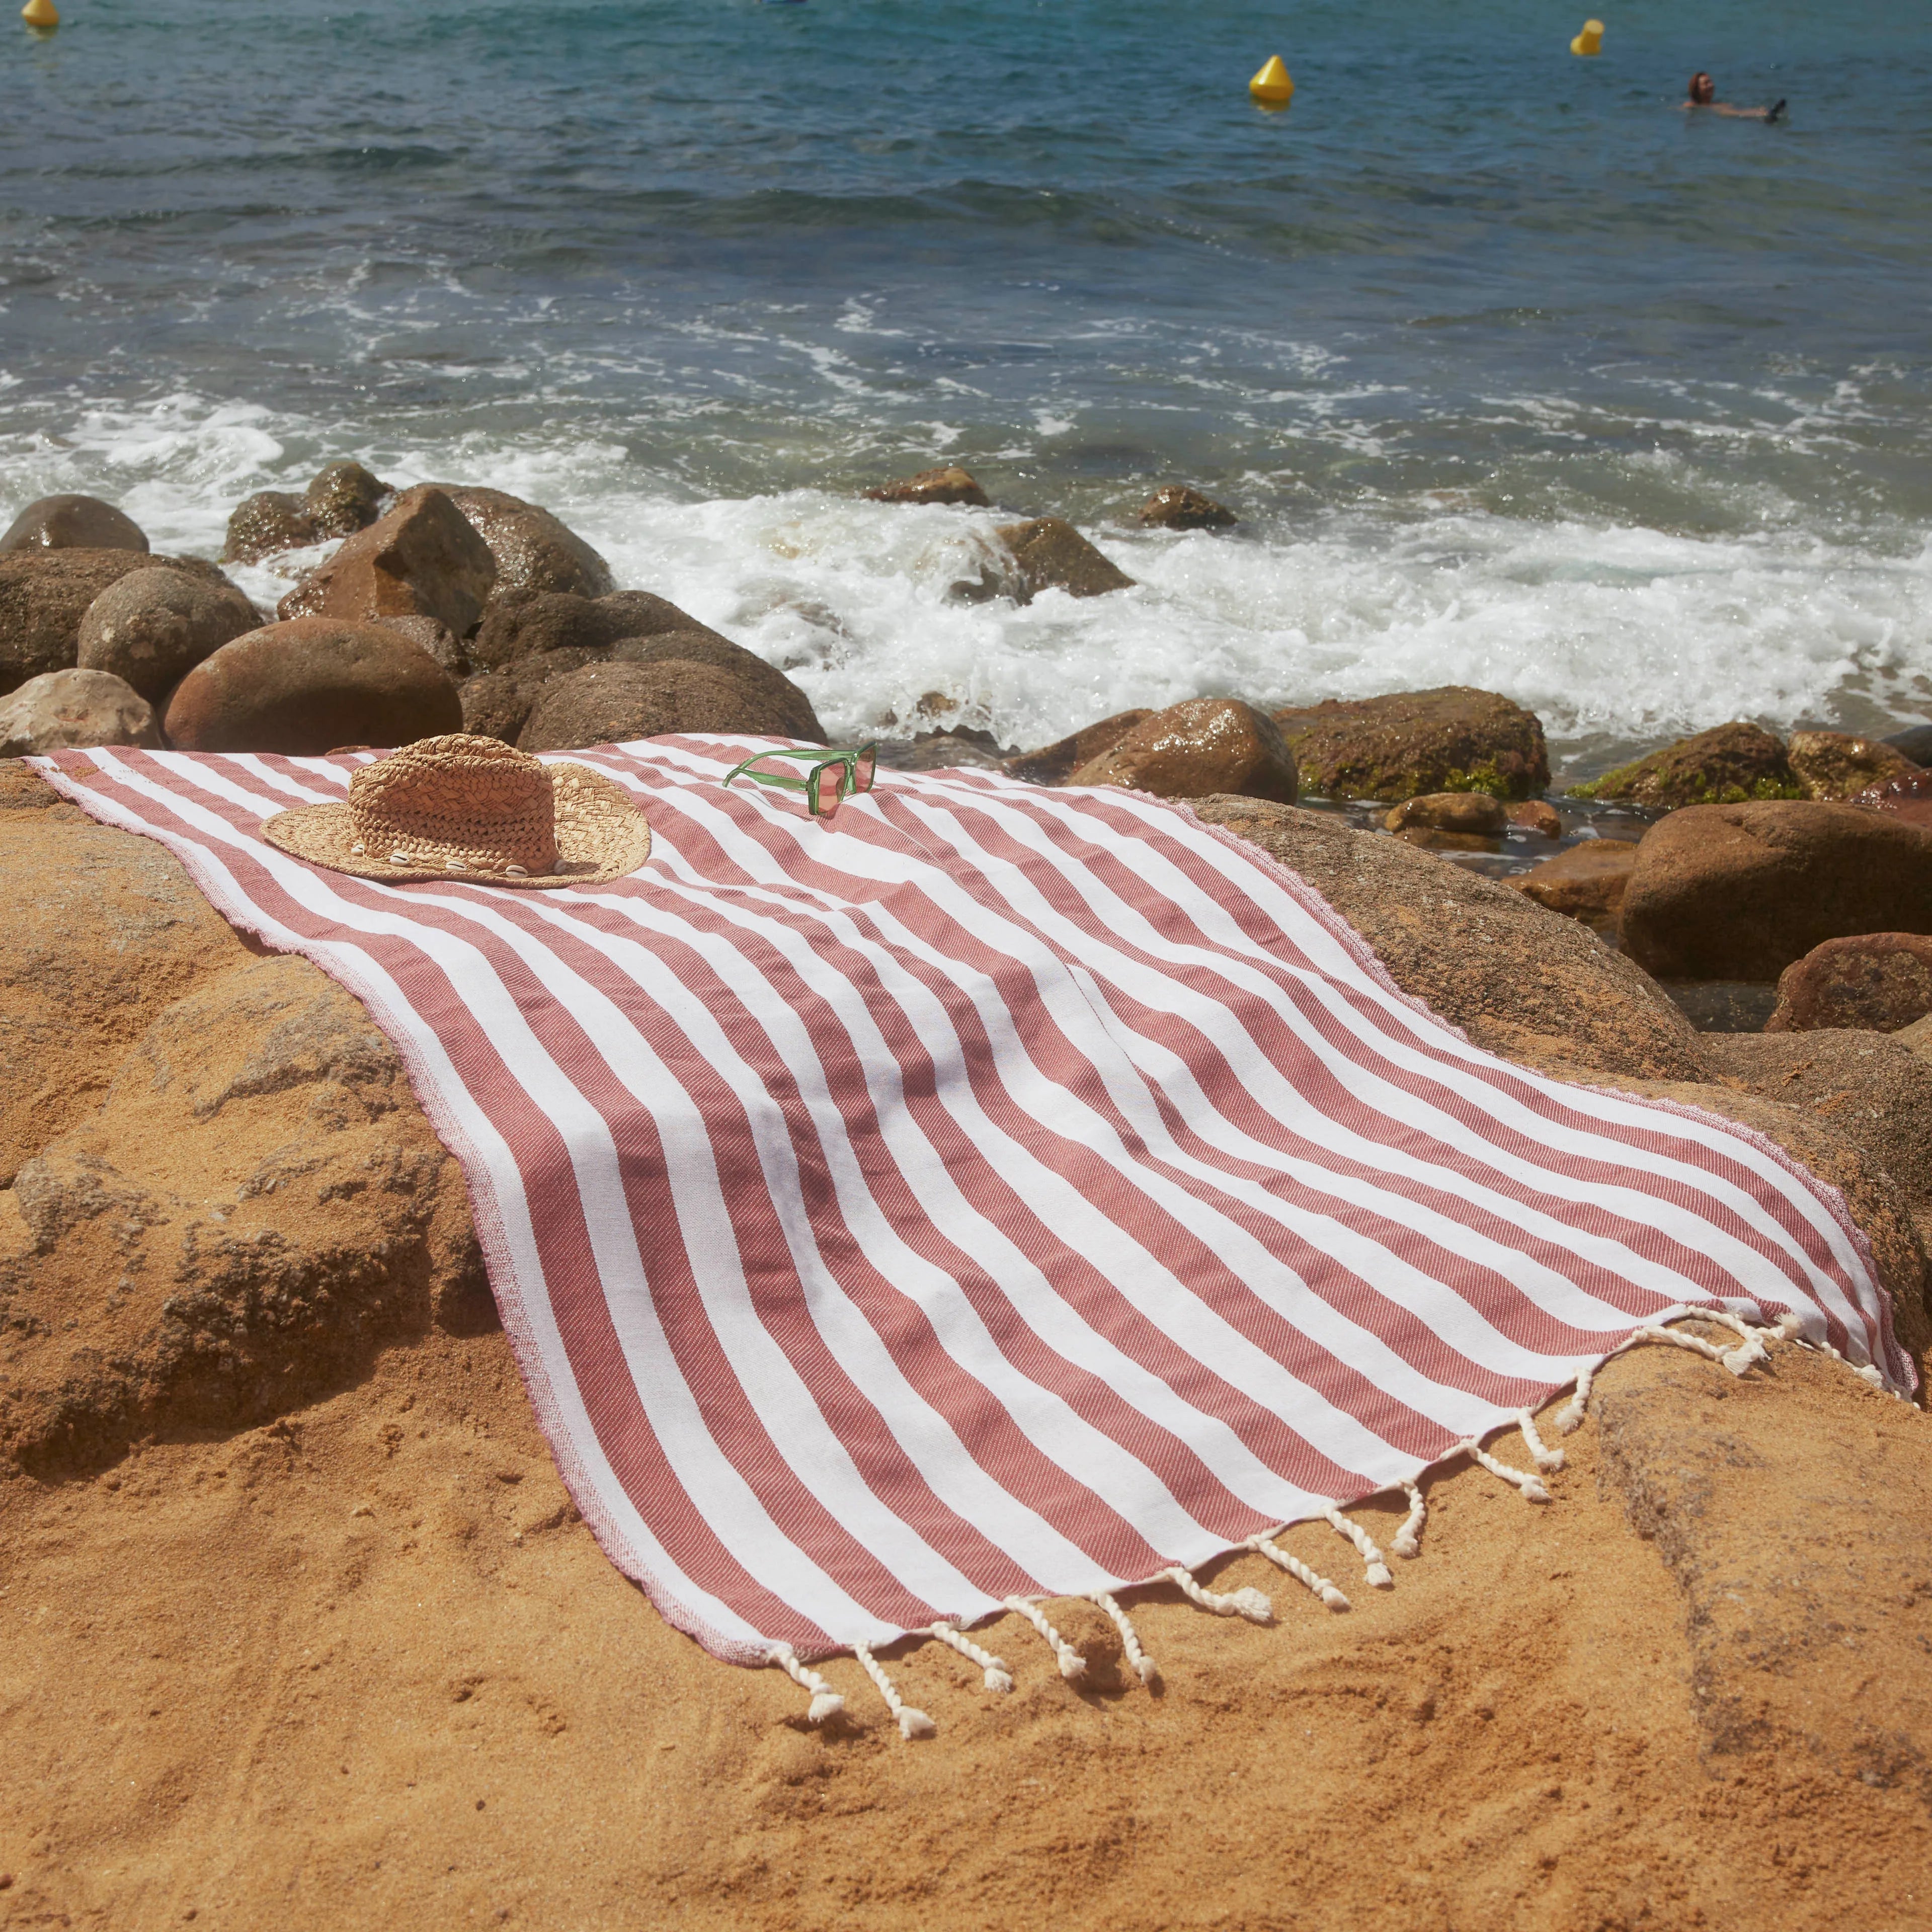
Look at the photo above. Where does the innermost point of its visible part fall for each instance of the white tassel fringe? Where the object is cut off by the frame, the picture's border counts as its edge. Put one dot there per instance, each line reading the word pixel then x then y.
pixel 826 1702
pixel 1408 1540
pixel 1242 1603
pixel 998 1676
pixel 1072 1663
pixel 1309 1579
pixel 1375 1571
pixel 912 1723
pixel 1143 1666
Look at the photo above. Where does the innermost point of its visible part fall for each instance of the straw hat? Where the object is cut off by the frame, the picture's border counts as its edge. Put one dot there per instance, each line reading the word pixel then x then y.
pixel 474 809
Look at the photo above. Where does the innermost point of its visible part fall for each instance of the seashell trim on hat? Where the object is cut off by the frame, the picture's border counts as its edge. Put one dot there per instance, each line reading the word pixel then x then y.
pixel 473 809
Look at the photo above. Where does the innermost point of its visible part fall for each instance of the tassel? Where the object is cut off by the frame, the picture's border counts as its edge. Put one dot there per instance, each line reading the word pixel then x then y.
pixel 1144 1667
pixel 1244 1603
pixel 998 1676
pixel 912 1723
pixel 1409 1539
pixel 1376 1571
pixel 826 1702
pixel 1301 1572
pixel 1072 1663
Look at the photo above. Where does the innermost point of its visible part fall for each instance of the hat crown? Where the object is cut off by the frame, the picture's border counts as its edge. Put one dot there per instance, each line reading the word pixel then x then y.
pixel 478 801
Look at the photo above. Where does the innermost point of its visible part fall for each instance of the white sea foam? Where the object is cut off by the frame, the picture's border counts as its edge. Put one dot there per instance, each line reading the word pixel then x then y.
pixel 1613 633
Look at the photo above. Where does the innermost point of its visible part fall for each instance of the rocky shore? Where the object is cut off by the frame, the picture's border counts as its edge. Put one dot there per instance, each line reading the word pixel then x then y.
pixel 315 1635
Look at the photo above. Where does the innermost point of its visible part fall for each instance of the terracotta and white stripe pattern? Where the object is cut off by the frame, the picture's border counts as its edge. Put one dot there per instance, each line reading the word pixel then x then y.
pixel 995 1192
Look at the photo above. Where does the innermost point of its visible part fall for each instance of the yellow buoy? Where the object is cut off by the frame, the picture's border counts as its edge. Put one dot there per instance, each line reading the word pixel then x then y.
pixel 1590 41
pixel 40 13
pixel 1272 87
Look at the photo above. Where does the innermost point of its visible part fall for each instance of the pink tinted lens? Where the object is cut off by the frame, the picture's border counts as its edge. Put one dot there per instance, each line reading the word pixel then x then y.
pixel 828 787
pixel 862 779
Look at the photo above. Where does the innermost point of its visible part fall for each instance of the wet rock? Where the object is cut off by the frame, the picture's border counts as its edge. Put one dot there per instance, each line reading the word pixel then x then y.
pixel 1178 507
pixel 152 627
pixel 306 686
pixel 613 703
pixel 430 635
pixel 423 559
pixel 257 1204
pixel 1837 764
pixel 498 703
pixel 44 594
pixel 103 930
pixel 778 696
pixel 1914 741
pixel 939 752
pixel 1908 799
pixel 1537 814
pixel 1048 554
pixel 1739 892
pixel 1196 749
pixel 1453 739
pixel 1725 766
pixel 1055 763
pixel 523 623
pixel 342 498
pixel 72 522
pixel 1467 814
pixel 533 549
pixel 949 484
pixel 1587 882
pixel 1877 981
pixel 60 710
pixel 1518 979
pixel 1724 1006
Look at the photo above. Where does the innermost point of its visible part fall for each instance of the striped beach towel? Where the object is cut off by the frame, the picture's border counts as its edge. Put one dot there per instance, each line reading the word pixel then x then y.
pixel 995 1192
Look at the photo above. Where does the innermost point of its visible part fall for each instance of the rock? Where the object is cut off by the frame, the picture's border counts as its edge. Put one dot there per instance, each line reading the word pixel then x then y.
pixel 498 703
pixel 1879 981
pixel 1178 507
pixel 441 643
pixel 72 522
pixel 1537 814
pixel 1048 554
pixel 523 623
pixel 1739 892
pixel 423 559
pixel 60 710
pixel 1908 799
pixel 1055 763
pixel 152 627
pixel 1836 764
pixel 613 703
pixel 1914 741
pixel 1474 818
pixel 1519 980
pixel 343 498
pixel 780 698
pixel 1195 749
pixel 1724 1006
pixel 533 550
pixel 1587 882
pixel 306 685
pixel 1871 1087
pixel 103 930
pixel 258 1202
pixel 1453 739
pixel 1726 766
pixel 948 484
pixel 44 594
pixel 1918 1037
pixel 938 752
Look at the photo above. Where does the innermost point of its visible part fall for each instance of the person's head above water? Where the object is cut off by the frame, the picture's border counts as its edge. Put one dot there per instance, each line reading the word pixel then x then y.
pixel 1702 91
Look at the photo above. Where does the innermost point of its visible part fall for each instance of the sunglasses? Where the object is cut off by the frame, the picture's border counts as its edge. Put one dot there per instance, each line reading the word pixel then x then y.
pixel 831 776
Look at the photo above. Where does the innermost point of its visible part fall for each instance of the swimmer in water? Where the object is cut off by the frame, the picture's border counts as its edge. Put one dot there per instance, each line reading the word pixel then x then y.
pixel 1703 93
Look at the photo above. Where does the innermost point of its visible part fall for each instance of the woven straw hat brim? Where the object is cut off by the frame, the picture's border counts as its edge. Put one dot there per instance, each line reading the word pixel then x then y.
pixel 600 835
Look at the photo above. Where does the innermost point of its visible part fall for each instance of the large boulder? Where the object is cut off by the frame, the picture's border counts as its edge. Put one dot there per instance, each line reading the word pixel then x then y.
pixel 949 484
pixel 1517 979
pixel 1914 741
pixel 423 559
pixel 1908 799
pixel 1048 554
pixel 1587 882
pixel 1178 507
pixel 614 701
pixel 1878 981
pixel 44 594
pixel 1196 749
pixel 498 703
pixel 1839 764
pixel 306 686
pixel 103 930
pixel 1468 821
pixel 1739 892
pixel 525 623
pixel 343 498
pixel 208 1249
pixel 72 522
pixel 1453 738
pixel 61 710
pixel 152 627
pixel 1055 763
pixel 1725 765
pixel 778 696
pixel 533 549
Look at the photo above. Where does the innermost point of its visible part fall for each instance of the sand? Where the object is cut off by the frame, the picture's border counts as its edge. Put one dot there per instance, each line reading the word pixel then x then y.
pixel 364 1667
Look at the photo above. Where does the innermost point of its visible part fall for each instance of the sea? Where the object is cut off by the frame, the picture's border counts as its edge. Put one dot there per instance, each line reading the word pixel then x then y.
pixel 1517 375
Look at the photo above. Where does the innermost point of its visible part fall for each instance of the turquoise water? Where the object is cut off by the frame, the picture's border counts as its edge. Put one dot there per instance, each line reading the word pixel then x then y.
pixel 1519 376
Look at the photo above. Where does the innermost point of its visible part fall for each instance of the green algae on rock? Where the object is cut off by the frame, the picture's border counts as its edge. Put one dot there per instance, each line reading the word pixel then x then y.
pixel 1453 738
pixel 1730 764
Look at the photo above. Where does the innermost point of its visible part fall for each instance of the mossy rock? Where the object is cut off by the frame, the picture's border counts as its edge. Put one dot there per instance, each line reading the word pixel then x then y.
pixel 1731 764
pixel 1453 739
